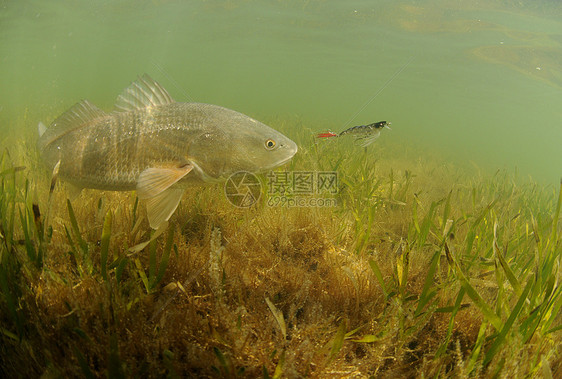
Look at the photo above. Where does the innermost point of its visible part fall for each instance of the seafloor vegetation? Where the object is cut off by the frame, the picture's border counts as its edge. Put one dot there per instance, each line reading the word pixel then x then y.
pixel 424 269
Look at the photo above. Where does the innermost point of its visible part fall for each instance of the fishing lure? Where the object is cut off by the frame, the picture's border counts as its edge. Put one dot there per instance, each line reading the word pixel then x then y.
pixel 364 134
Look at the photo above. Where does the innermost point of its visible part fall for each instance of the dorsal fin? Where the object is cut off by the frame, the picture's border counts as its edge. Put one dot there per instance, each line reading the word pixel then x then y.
pixel 74 118
pixel 143 92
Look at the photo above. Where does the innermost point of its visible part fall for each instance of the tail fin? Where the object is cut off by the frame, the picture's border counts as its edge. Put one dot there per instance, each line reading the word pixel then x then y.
pixel 326 135
pixel 41 128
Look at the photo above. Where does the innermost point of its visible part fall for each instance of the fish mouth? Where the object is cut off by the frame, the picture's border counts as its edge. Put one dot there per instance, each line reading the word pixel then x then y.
pixel 281 163
pixel 276 164
pixel 292 148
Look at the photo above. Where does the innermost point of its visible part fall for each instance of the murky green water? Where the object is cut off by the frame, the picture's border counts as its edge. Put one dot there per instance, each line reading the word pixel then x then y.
pixel 479 82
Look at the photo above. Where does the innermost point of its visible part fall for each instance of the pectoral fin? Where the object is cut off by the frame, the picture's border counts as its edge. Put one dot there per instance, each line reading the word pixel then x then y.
pixel 160 208
pixel 154 180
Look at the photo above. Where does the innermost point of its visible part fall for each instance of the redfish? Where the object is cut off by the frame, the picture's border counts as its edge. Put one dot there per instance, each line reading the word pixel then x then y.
pixel 156 146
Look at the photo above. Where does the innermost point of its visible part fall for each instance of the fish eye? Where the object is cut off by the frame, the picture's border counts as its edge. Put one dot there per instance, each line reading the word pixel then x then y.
pixel 269 144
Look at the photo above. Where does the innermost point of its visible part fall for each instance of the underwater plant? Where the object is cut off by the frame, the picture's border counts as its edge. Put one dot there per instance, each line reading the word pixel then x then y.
pixel 420 269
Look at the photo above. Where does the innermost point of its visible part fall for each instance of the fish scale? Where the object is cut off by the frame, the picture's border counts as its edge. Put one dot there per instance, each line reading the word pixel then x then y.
pixel 136 140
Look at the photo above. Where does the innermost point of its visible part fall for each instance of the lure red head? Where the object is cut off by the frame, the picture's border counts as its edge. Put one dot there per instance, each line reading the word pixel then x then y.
pixel 326 135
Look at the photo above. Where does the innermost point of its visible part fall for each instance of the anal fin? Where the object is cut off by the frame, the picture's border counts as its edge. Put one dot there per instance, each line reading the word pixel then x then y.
pixel 160 208
pixel 73 191
pixel 54 178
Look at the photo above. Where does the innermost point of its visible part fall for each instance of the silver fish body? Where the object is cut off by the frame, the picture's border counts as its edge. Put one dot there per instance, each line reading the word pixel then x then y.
pixel 366 134
pixel 157 146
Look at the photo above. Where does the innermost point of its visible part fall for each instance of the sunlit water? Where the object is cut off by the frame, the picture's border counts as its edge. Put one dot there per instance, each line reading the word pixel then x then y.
pixel 478 82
